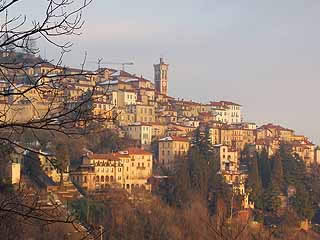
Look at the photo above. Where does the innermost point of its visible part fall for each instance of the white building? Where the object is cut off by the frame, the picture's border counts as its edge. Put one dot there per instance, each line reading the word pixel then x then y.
pixel 227 112
pixel 140 131
pixel 126 97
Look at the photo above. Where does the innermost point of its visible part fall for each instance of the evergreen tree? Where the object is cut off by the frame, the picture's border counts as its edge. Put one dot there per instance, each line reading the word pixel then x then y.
pixel 264 168
pixel 206 146
pixel 272 201
pixel 277 172
pixel 302 204
pixel 198 171
pixel 196 138
pixel 254 182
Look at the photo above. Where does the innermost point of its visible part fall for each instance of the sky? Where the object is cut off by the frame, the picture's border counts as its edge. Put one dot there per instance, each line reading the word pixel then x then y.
pixel 263 55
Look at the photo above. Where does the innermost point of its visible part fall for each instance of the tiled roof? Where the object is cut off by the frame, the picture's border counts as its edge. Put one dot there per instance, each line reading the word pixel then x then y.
pixel 272 126
pixel 224 104
pixel 104 156
pixel 136 151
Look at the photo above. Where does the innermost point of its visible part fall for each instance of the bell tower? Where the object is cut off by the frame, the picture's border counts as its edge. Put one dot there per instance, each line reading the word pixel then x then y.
pixel 161 77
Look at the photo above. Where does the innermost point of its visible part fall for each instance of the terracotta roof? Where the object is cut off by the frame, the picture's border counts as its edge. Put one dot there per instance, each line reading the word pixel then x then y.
pixel 104 156
pixel 224 104
pixel 272 126
pixel 136 151
pixel 230 103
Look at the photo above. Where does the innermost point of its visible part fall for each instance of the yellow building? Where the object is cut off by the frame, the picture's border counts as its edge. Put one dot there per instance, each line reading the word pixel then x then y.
pixel 143 113
pixel 13 172
pixel 128 169
pixel 102 109
pixel 172 148
pixel 85 177
pixel 46 160
pixel 317 155
pixel 271 145
pixel 158 130
pixel 235 136
pixel 275 131
pixel 305 150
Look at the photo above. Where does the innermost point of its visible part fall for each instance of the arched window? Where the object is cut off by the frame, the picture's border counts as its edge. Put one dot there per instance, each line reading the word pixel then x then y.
pixel 102 178
pixel 107 178
pixel 111 179
pixel 97 179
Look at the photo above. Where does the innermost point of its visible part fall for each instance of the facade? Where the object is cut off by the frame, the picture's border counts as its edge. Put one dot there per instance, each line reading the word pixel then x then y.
pixel 141 132
pixel 170 149
pixel 13 172
pixel 305 150
pixel 317 155
pixel 227 112
pixel 46 160
pixel 228 158
pixel 143 113
pixel 161 77
pixel 126 97
pixel 128 170
pixel 158 130
pixel 235 136
pixel 85 177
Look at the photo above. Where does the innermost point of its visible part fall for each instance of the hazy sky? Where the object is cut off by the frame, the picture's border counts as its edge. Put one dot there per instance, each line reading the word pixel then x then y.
pixel 261 54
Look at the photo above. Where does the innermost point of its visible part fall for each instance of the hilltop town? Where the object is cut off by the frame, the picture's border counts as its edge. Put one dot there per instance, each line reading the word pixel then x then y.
pixel 161 128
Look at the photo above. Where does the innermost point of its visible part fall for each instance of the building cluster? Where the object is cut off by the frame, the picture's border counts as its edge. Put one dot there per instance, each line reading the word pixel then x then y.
pixel 142 110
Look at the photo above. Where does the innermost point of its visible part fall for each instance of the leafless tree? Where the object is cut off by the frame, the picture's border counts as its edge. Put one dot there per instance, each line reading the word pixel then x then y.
pixel 38 96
